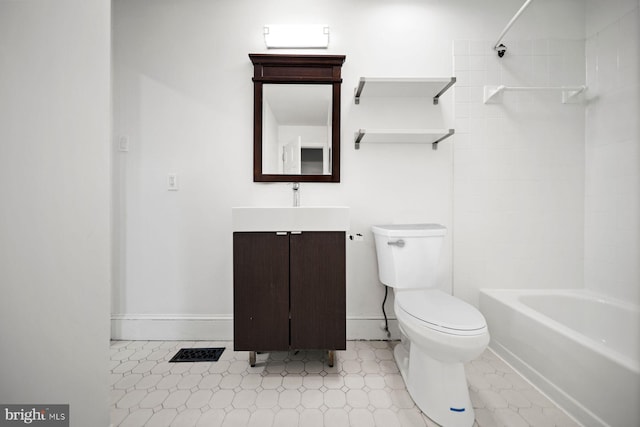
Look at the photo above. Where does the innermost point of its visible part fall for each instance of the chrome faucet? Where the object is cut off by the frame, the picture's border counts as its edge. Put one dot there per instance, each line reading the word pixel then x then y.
pixel 296 194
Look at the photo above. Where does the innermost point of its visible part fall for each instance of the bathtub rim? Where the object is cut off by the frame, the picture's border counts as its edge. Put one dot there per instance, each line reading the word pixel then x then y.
pixel 510 297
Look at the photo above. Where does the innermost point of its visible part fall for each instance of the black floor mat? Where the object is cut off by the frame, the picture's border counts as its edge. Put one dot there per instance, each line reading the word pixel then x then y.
pixel 198 355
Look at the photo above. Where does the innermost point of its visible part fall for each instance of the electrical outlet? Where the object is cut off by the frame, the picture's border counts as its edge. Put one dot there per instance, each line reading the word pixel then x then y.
pixel 172 182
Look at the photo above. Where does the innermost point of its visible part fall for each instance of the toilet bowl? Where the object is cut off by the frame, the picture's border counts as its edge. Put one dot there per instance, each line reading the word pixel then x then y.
pixel 449 329
pixel 439 332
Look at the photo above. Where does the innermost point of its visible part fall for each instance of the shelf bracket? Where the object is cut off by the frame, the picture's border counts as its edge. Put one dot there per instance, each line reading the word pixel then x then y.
pixel 434 144
pixel 358 91
pixel 493 94
pixel 358 137
pixel 436 98
pixel 571 95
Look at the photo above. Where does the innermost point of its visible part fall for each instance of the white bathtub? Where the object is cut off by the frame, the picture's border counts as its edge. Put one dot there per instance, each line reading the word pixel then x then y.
pixel 578 347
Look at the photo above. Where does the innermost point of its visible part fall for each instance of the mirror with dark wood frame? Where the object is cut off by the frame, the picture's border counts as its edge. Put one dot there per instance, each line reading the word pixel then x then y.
pixel 296 127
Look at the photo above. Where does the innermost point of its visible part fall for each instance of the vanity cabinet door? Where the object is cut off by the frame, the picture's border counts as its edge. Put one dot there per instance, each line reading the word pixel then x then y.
pixel 317 290
pixel 260 291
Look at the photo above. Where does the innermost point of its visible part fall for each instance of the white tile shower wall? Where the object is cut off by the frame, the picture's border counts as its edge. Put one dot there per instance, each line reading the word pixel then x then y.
pixel 612 184
pixel 518 168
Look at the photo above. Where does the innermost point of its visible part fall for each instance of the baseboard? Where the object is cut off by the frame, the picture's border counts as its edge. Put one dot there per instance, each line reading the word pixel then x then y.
pixel 371 328
pixel 171 327
pixel 220 327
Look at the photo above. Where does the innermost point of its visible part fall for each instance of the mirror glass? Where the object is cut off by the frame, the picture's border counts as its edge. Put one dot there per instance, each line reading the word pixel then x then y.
pixel 296 129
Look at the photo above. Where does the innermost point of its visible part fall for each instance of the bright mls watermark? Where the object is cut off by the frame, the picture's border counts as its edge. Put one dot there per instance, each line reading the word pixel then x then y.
pixel 34 415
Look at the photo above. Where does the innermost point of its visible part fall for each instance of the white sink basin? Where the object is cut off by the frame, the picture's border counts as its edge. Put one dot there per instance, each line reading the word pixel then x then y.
pixel 303 218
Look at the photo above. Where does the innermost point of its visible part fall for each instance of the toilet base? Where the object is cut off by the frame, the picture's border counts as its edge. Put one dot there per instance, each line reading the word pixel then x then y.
pixel 439 389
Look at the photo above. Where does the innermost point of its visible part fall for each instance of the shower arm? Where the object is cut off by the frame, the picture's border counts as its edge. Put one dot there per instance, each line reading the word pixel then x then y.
pixel 501 48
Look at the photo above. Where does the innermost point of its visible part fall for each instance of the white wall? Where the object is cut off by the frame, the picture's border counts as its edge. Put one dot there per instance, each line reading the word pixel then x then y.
pixel 612 204
pixel 55 210
pixel 183 94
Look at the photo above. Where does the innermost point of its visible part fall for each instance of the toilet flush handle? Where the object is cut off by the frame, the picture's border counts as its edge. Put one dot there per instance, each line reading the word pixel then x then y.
pixel 398 243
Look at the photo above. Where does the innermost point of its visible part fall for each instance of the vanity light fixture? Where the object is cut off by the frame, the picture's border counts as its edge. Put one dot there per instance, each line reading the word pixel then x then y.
pixel 296 36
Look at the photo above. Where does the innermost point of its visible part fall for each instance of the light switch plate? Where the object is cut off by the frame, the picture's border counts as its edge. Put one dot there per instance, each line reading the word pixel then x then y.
pixel 123 143
pixel 172 182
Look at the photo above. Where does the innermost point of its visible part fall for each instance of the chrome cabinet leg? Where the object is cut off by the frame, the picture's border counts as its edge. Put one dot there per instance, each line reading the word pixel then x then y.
pixel 331 358
pixel 252 358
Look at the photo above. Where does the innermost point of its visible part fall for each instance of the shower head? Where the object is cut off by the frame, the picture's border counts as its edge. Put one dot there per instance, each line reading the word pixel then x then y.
pixel 501 49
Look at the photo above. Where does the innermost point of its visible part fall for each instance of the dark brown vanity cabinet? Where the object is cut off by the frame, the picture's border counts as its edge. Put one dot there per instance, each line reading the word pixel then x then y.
pixel 289 291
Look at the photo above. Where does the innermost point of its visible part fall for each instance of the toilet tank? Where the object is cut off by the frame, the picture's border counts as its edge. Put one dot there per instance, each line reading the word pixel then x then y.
pixel 408 254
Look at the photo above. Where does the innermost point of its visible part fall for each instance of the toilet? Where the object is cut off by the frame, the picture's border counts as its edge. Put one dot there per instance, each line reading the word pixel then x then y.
pixel 439 332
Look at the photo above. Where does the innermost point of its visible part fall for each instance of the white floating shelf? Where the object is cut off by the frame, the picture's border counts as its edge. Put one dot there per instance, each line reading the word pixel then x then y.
pixel 429 87
pixel 493 94
pixel 402 136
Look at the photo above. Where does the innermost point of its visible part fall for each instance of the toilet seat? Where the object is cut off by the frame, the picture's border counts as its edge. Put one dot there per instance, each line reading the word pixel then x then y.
pixel 441 312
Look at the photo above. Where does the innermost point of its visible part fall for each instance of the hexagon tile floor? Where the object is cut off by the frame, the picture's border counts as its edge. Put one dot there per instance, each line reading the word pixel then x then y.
pixel 364 388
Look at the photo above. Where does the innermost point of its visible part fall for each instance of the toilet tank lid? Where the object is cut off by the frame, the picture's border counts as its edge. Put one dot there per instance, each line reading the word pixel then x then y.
pixel 409 230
